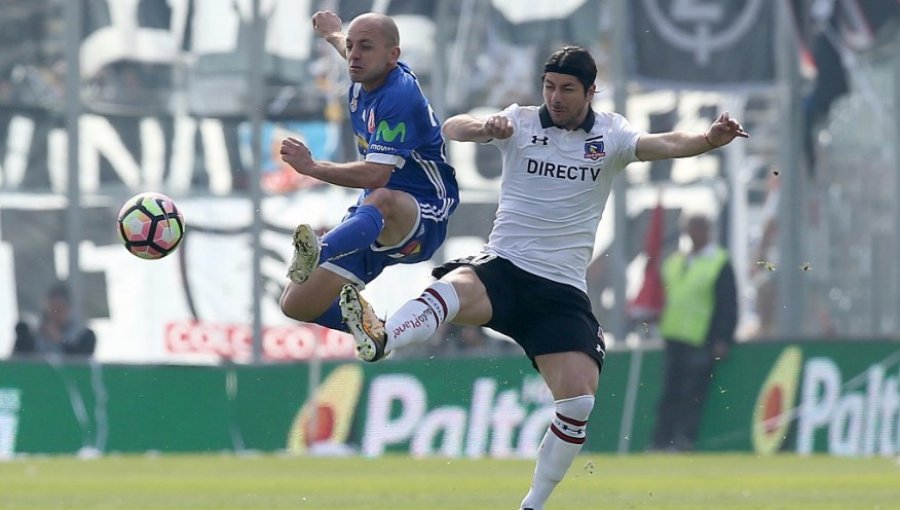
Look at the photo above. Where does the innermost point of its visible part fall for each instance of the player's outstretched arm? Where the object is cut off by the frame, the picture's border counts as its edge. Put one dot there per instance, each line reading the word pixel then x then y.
pixel 328 25
pixel 354 174
pixel 467 128
pixel 681 144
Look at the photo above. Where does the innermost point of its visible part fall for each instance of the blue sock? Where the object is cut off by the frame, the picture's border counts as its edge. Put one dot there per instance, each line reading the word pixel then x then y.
pixel 332 318
pixel 355 233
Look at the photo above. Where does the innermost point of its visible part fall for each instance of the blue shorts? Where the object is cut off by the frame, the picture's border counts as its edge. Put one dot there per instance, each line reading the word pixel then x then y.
pixel 423 240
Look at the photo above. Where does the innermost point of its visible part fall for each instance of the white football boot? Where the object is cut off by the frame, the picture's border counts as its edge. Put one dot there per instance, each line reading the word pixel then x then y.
pixel 306 254
pixel 364 324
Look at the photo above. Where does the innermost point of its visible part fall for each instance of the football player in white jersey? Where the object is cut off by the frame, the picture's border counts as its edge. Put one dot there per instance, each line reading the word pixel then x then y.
pixel 559 161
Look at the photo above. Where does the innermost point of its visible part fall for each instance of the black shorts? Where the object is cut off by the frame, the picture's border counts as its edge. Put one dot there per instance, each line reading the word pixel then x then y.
pixel 541 315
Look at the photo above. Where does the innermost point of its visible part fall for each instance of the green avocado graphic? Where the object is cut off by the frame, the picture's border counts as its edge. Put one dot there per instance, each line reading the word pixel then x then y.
pixel 334 403
pixel 774 408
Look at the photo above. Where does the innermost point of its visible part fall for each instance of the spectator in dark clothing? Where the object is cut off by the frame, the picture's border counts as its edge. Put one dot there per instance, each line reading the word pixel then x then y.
pixel 56 332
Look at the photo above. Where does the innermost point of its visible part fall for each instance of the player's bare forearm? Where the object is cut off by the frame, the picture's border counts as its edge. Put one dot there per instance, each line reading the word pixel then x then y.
pixel 681 144
pixel 339 41
pixel 328 25
pixel 466 128
pixel 355 174
pixel 674 144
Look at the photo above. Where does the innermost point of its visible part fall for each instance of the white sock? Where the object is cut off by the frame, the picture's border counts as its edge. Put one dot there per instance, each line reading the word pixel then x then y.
pixel 558 449
pixel 418 319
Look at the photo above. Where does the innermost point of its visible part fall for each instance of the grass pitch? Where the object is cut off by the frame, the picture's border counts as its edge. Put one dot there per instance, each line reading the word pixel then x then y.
pixel 400 483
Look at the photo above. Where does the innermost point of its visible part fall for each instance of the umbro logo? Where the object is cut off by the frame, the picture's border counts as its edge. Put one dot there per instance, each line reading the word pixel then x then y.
pixel 535 139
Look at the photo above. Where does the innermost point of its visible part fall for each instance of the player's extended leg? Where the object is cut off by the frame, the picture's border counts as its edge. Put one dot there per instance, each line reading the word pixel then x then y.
pixel 573 378
pixel 385 216
pixel 315 300
pixel 458 297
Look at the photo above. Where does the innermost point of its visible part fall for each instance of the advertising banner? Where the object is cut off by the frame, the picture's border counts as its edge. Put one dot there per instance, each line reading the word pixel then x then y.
pixel 467 407
pixel 839 398
pixel 454 408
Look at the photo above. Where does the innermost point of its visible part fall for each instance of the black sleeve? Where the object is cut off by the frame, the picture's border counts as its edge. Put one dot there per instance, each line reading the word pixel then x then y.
pixel 85 344
pixel 725 315
pixel 24 339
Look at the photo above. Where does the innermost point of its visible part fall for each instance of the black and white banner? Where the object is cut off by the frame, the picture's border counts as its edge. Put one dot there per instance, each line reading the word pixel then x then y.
pixel 704 44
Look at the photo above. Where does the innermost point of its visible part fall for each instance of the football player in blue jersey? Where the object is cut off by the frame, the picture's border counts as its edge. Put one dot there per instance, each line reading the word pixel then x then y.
pixel 408 188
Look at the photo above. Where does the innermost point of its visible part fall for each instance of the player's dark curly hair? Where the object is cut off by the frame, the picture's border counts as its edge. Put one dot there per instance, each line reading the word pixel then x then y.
pixel 575 61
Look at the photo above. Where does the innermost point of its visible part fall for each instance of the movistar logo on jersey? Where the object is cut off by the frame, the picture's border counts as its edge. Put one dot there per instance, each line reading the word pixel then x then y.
pixel 389 133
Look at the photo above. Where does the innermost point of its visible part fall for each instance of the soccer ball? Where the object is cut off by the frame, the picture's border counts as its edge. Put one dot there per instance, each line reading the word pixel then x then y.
pixel 150 225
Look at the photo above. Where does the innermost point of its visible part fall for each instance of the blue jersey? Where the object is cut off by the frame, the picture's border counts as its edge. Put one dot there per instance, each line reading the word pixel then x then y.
pixel 395 125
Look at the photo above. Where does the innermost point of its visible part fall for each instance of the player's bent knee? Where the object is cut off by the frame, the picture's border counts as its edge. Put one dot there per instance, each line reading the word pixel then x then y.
pixel 474 304
pixel 392 203
pixel 466 283
pixel 382 199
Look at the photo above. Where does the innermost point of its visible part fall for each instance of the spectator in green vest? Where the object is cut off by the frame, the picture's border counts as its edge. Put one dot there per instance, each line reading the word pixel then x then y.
pixel 697 324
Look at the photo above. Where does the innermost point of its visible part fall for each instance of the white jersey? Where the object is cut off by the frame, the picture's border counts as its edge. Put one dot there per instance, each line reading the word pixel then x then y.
pixel 554 187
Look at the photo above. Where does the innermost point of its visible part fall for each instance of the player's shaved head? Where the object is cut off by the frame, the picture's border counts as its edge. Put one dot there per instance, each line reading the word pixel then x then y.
pixel 383 24
pixel 373 47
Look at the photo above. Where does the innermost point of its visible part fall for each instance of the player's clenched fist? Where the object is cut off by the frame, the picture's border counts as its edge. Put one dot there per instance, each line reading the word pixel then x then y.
pixel 724 130
pixel 326 23
pixel 498 126
pixel 296 153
